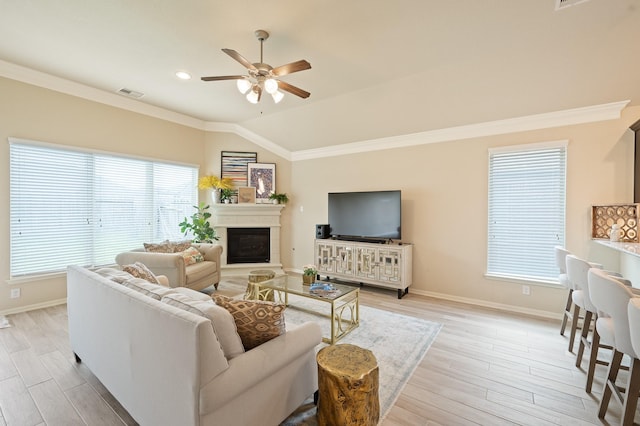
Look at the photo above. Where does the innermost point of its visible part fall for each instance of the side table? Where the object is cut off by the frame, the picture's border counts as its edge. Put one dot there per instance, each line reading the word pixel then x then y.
pixel 347 386
pixel 255 277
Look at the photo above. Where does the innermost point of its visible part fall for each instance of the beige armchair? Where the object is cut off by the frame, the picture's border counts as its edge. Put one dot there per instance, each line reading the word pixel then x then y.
pixel 197 276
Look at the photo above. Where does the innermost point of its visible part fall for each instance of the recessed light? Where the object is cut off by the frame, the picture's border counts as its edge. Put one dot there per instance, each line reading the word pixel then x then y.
pixel 183 75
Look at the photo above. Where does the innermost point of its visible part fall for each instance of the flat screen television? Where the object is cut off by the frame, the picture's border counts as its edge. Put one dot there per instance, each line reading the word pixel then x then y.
pixel 373 215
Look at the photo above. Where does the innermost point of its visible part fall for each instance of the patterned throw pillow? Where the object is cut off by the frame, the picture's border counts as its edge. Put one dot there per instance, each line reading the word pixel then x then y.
pixel 139 270
pixel 163 247
pixel 191 256
pixel 257 321
pixel 167 246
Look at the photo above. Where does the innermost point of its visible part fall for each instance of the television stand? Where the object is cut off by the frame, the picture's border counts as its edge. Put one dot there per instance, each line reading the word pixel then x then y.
pixel 382 265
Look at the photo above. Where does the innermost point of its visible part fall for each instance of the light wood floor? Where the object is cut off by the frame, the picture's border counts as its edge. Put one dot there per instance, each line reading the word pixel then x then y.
pixel 485 367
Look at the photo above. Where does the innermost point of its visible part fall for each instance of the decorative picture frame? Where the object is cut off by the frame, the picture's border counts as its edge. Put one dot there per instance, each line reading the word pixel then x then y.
pixel 262 176
pixel 233 165
pixel 246 195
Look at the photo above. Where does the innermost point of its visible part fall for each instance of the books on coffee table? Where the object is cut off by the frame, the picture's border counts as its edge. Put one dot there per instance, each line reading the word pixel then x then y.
pixel 324 290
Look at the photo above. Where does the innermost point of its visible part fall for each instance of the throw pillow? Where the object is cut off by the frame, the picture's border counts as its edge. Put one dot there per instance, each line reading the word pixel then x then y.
pixel 257 321
pixel 139 270
pixel 221 320
pixel 163 247
pixel 192 255
pixel 167 246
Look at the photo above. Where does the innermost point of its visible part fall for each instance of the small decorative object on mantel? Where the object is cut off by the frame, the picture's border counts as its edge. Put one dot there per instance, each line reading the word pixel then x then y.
pixel 309 274
pixel 623 216
pixel 216 184
pixel 279 198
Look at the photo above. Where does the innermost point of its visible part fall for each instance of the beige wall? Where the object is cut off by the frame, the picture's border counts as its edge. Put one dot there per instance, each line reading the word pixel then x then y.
pixel 444 190
pixel 38 114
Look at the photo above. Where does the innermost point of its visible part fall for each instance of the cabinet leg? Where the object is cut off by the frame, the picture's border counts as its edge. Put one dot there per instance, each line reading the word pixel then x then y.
pixel 402 292
pixel 78 360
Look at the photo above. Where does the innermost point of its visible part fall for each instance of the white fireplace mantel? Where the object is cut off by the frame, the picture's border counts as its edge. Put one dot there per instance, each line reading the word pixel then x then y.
pixel 226 216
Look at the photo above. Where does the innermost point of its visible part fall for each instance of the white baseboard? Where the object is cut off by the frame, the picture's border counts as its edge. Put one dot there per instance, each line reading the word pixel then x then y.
pixel 486 304
pixel 34 306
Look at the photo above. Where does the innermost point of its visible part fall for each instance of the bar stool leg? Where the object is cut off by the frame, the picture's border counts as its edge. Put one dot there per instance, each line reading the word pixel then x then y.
pixel 610 383
pixel 593 360
pixel 574 326
pixel 631 395
pixel 567 312
pixel 586 325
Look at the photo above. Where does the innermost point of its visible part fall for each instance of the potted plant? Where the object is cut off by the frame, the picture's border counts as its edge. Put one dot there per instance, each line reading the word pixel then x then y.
pixel 225 195
pixel 199 225
pixel 309 274
pixel 279 198
pixel 216 184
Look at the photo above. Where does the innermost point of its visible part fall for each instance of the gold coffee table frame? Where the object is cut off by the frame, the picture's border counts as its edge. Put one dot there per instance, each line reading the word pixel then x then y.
pixel 345 307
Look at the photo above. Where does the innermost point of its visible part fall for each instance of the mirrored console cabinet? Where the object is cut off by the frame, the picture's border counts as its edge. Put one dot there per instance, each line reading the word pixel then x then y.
pixel 383 265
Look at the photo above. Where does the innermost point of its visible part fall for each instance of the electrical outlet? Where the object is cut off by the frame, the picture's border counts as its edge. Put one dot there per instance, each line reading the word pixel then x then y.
pixel 15 293
pixel 526 290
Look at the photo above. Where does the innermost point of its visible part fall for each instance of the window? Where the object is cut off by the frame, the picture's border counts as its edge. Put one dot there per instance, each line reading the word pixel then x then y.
pixel 76 207
pixel 526 210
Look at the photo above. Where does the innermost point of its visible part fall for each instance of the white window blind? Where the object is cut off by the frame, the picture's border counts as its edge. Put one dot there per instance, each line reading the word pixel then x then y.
pixel 75 207
pixel 526 210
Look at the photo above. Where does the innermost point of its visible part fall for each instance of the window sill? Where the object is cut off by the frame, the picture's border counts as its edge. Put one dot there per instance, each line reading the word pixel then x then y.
pixel 34 278
pixel 523 280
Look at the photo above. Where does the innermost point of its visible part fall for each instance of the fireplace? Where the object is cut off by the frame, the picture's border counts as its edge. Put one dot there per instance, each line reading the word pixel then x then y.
pixel 230 218
pixel 248 245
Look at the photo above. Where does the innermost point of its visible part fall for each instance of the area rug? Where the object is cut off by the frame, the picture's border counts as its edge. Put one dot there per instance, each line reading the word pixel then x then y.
pixel 399 343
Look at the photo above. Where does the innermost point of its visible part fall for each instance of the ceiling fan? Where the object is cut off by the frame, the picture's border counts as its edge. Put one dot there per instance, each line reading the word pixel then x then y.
pixel 263 77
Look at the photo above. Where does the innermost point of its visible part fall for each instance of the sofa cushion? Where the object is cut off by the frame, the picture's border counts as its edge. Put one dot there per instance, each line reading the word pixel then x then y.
pixel 221 320
pixel 257 321
pixel 139 270
pixel 145 287
pixel 191 255
pixel 193 294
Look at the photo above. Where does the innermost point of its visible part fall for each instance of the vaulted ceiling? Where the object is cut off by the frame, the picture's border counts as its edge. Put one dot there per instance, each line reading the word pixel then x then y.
pixel 379 68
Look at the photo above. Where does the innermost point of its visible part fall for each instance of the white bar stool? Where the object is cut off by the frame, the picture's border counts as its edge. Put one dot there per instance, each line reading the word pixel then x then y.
pixel 611 299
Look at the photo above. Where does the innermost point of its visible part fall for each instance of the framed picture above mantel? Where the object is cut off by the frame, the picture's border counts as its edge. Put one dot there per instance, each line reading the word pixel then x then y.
pixel 262 176
pixel 234 166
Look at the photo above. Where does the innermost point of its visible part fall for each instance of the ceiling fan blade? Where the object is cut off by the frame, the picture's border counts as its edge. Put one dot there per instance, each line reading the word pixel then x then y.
pixel 223 77
pixel 293 89
pixel 238 57
pixel 300 65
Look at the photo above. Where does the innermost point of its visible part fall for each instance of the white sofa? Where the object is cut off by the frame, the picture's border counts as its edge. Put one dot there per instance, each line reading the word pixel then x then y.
pixel 166 366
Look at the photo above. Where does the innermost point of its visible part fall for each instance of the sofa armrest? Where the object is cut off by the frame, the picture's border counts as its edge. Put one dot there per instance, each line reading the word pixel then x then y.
pixel 211 252
pixel 259 364
pixel 169 264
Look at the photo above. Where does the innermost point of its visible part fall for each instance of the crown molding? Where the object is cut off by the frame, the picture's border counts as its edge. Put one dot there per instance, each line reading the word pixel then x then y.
pixel 250 136
pixel 68 87
pixel 589 114
pixel 610 111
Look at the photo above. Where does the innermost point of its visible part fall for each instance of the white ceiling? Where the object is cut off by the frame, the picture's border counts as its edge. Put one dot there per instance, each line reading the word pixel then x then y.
pixel 379 68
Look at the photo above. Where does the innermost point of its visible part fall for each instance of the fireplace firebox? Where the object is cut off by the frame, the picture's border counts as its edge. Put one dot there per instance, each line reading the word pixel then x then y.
pixel 248 245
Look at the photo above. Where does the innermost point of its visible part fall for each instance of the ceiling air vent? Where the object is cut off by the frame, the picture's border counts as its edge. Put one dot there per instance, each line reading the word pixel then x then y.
pixel 130 93
pixel 563 4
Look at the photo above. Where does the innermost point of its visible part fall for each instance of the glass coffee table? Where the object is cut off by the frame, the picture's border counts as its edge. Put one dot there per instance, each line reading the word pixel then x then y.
pixel 343 299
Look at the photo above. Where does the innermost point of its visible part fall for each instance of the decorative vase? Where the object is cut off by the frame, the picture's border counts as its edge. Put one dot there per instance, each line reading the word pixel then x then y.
pixel 215 196
pixel 308 279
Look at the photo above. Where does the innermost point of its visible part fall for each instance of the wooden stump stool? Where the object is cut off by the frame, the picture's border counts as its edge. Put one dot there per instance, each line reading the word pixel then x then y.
pixel 258 276
pixel 347 386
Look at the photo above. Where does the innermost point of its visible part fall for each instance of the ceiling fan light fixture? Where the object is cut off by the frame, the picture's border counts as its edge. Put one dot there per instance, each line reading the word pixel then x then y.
pixel 277 96
pixel 271 85
pixel 243 85
pixel 254 94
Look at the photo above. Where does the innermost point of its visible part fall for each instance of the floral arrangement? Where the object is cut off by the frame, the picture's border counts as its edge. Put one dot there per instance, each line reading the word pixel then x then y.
pixel 309 270
pixel 214 182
